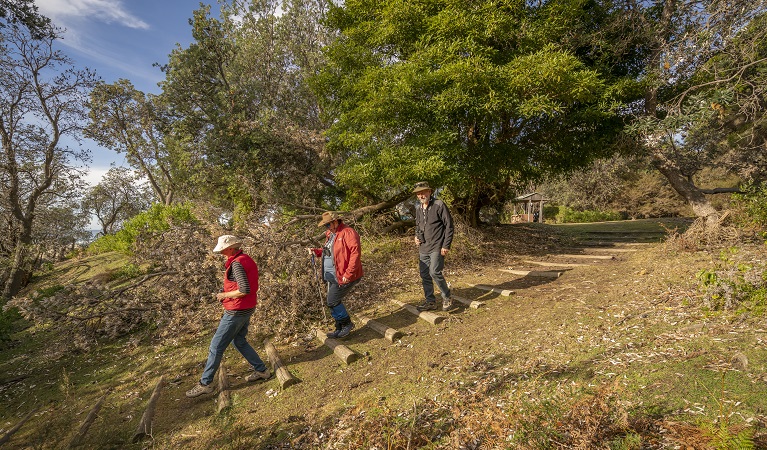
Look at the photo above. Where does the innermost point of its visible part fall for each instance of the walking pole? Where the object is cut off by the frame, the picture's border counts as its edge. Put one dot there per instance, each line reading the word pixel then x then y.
pixel 319 288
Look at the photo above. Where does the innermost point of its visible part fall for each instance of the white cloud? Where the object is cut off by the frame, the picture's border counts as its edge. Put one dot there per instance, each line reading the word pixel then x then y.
pixel 109 11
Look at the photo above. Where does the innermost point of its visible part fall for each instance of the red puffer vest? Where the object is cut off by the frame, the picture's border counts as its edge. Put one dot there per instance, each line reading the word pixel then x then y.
pixel 251 270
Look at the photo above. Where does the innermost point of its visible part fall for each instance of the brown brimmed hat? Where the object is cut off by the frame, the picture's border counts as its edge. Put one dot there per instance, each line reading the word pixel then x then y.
pixel 421 186
pixel 327 217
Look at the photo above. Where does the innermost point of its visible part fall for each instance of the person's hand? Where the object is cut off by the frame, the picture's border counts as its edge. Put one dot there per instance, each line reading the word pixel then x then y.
pixel 444 251
pixel 220 296
pixel 417 241
pixel 310 250
pixel 344 280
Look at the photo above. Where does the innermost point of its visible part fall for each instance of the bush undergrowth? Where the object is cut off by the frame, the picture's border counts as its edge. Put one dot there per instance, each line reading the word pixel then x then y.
pixel 156 219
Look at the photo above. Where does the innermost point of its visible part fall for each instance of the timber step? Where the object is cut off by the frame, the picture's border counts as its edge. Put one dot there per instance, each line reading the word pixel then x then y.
pixel 497 290
pixel 389 333
pixel 284 376
pixel 554 264
pixel 343 352
pixel 428 316
pixel 535 273
pixel 470 303
pixel 583 256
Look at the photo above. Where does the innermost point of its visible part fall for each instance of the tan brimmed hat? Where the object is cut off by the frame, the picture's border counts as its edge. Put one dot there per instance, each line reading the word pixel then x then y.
pixel 327 217
pixel 227 241
pixel 421 186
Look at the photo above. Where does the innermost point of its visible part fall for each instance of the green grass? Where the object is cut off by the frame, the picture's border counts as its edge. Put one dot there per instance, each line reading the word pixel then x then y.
pixel 601 334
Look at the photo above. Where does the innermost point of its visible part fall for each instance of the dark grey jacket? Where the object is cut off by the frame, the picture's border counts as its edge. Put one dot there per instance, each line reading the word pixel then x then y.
pixel 435 228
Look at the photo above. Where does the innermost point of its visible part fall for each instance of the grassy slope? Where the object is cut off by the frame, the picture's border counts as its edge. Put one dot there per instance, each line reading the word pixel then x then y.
pixel 631 325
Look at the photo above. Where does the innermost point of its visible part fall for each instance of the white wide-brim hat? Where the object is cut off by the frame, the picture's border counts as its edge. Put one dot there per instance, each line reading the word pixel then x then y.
pixel 227 241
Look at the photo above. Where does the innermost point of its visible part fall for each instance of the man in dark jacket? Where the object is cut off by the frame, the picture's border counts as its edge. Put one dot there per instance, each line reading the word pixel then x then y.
pixel 433 236
pixel 341 268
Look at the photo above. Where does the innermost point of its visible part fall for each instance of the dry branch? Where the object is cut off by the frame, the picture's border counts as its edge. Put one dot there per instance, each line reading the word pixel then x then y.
pixel 88 421
pixel 284 376
pixel 145 425
pixel 224 396
pixel 7 436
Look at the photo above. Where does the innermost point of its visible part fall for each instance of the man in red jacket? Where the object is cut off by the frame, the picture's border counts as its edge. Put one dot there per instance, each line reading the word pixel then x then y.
pixel 341 268
pixel 239 301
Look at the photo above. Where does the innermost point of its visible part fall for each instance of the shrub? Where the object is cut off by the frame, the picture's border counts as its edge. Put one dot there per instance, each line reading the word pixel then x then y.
pixel 156 219
pixel 752 207
pixel 8 317
pixel 568 215
pixel 737 283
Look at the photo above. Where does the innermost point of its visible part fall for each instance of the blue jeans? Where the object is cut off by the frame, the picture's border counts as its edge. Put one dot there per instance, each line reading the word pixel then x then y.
pixel 230 329
pixel 430 266
pixel 336 293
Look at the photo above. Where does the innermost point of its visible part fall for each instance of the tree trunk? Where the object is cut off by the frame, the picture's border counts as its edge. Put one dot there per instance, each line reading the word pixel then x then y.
pixel 694 197
pixel 17 272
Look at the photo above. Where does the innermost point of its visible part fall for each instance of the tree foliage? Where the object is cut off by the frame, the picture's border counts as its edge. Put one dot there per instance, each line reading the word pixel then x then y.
pixel 474 97
pixel 129 121
pixel 699 55
pixel 118 197
pixel 16 13
pixel 242 98
pixel 42 99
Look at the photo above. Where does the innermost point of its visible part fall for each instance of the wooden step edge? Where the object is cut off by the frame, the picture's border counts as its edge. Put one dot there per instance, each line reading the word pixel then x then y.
pixel 428 316
pixel 388 333
pixel 343 352
pixel 535 273
pixel 484 287
pixel 470 303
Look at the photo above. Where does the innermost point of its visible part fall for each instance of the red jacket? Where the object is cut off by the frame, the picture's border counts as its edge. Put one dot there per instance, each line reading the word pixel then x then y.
pixel 251 270
pixel 346 253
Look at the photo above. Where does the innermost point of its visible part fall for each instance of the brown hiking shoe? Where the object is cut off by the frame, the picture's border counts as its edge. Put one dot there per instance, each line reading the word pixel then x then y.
pixel 256 376
pixel 200 389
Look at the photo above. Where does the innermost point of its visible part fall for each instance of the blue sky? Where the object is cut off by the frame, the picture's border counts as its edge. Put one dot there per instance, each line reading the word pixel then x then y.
pixel 121 39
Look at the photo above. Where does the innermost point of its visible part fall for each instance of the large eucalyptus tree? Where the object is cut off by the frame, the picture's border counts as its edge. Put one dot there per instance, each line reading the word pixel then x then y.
pixel 42 99
pixel 698 77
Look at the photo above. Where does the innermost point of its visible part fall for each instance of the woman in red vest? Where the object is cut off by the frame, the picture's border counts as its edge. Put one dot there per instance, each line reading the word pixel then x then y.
pixel 239 301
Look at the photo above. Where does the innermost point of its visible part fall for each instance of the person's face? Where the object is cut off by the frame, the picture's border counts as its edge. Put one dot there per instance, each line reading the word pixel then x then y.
pixel 332 226
pixel 229 251
pixel 423 196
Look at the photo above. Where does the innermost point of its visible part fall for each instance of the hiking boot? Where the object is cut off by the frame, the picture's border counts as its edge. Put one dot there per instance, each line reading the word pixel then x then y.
pixel 334 334
pixel 447 304
pixel 200 389
pixel 427 306
pixel 256 375
pixel 345 330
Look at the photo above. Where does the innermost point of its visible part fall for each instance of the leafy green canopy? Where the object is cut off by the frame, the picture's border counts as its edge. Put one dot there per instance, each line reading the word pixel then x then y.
pixel 471 95
pixel 157 219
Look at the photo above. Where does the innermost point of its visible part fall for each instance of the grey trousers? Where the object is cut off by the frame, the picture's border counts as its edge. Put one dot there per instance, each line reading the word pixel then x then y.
pixel 430 266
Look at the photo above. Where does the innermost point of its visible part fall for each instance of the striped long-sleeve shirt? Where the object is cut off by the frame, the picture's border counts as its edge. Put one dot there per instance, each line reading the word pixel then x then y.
pixel 237 273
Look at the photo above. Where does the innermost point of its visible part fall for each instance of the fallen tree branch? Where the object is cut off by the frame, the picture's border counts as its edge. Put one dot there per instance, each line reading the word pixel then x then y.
pixel 16 427
pixel 144 280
